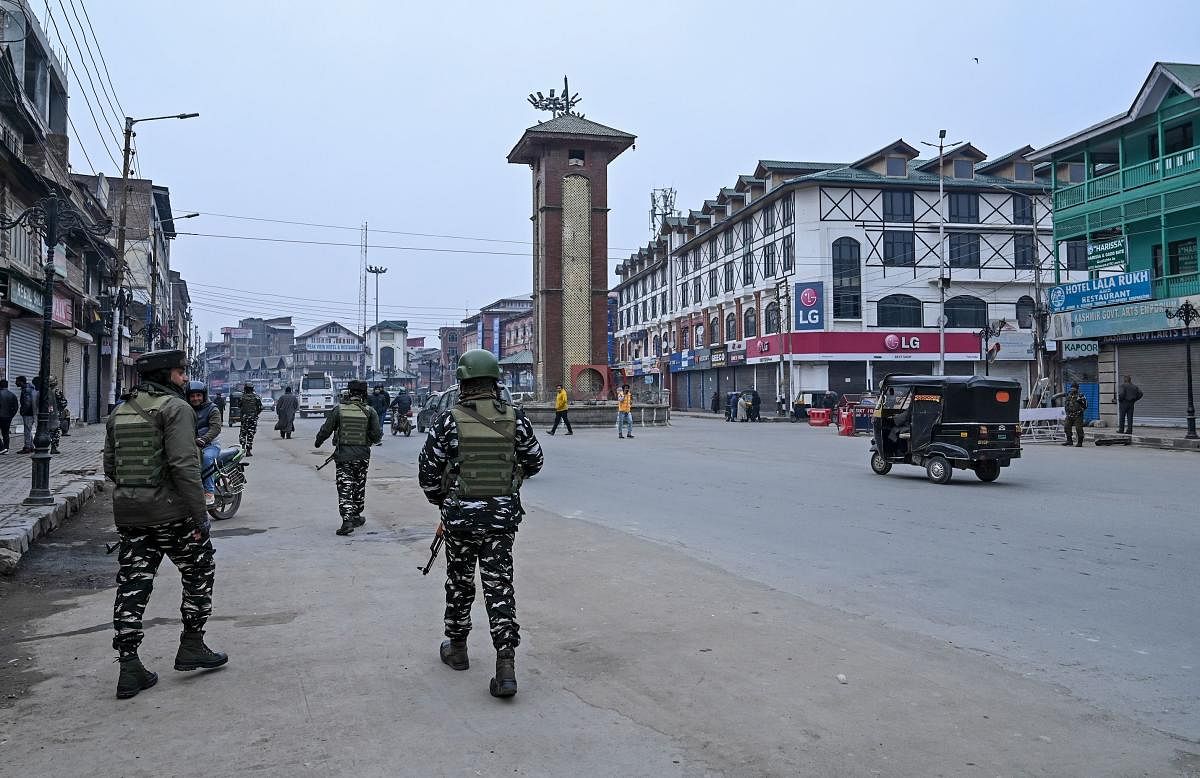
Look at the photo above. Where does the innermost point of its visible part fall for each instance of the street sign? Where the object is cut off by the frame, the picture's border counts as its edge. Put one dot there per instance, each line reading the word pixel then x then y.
pixel 1110 290
pixel 1109 253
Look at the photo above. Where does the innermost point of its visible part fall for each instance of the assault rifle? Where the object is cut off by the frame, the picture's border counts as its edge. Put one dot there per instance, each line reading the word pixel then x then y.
pixel 327 461
pixel 434 548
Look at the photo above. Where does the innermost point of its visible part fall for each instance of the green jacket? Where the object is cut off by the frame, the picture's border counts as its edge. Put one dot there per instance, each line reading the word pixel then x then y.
pixel 343 453
pixel 251 405
pixel 180 495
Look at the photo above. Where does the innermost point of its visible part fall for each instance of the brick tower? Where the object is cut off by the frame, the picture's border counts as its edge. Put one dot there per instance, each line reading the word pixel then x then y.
pixel 569 156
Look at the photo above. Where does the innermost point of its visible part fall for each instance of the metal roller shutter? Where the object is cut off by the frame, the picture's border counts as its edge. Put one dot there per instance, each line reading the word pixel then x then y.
pixel 696 389
pixel 882 368
pixel 1018 370
pixel 766 378
pixel 1159 370
pixel 962 368
pixel 72 380
pixel 24 348
pixel 848 377
pixel 743 377
pixel 726 381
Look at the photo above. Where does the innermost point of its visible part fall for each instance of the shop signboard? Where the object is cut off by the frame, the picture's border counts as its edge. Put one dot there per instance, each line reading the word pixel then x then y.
pixel 1078 349
pixel 25 295
pixel 1087 323
pixel 718 357
pixel 1095 292
pixel 63 311
pixel 238 333
pixel 1108 253
pixel 735 357
pixel 810 306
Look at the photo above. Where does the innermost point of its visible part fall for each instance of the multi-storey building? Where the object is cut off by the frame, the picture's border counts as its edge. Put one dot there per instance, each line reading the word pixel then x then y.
pixel 450 345
pixel 806 277
pixel 1127 202
pixel 516 351
pixel 331 348
pixel 387 350
pixel 482 330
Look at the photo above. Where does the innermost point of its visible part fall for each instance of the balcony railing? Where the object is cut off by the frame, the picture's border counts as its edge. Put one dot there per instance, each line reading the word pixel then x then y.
pixel 1180 285
pixel 1155 170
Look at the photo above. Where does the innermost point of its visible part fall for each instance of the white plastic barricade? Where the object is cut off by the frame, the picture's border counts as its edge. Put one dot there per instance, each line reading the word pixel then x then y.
pixel 1043 425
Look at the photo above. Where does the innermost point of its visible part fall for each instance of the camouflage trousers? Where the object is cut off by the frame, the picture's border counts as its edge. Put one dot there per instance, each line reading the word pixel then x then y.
pixel 249 429
pixel 55 436
pixel 142 550
pixel 494 553
pixel 1075 424
pixel 352 487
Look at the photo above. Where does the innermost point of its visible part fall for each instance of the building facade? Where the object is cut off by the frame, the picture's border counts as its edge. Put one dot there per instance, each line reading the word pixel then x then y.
pixel 805 277
pixel 1127 213
pixel 516 352
pixel 330 348
pixel 387 350
pixel 482 330
pixel 450 341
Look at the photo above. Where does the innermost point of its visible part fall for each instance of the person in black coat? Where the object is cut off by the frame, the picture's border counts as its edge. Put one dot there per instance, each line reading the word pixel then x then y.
pixel 716 403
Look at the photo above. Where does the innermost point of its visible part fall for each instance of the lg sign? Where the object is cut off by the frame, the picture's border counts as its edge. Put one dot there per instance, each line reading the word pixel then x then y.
pixel 902 343
pixel 810 306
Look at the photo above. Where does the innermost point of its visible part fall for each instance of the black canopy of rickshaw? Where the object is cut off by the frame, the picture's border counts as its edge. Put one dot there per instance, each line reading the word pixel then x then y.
pixel 955 381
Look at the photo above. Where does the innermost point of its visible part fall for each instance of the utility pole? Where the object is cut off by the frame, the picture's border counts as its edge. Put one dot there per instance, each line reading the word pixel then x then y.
pixel 362 303
pixel 377 271
pixel 943 281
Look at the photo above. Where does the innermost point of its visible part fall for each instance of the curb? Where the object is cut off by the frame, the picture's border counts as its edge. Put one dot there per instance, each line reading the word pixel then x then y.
pixel 1146 441
pixel 32 522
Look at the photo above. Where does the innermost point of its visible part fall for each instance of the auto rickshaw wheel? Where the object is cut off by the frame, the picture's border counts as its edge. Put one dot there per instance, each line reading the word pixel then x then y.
pixel 880 465
pixel 987 471
pixel 938 468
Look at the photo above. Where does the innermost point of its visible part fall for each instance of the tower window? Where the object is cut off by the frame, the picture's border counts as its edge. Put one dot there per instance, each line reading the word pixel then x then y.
pixel 575 157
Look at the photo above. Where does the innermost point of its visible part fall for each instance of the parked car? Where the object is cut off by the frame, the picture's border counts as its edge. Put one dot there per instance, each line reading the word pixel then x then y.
pixel 268 403
pixel 443 400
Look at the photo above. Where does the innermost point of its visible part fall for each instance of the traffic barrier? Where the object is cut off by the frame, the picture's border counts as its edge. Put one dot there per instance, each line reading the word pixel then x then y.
pixel 818 417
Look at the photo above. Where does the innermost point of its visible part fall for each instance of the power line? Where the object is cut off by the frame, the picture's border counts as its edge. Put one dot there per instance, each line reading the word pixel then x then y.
pixel 100 51
pixel 110 99
pixel 79 142
pixel 224 289
pixel 91 110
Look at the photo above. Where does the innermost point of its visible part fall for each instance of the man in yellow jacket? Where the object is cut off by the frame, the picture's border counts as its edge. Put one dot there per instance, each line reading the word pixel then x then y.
pixel 560 411
pixel 624 412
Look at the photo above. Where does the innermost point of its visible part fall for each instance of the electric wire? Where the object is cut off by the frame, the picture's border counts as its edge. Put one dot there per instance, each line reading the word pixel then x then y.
pixel 100 51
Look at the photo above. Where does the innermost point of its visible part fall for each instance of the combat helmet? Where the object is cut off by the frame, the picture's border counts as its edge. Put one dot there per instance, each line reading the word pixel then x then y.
pixel 477 363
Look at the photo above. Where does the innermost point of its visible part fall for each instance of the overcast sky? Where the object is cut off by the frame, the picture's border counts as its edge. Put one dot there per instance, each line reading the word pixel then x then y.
pixel 401 114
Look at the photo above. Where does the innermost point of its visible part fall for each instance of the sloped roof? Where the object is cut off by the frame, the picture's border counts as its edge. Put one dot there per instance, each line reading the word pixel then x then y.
pixel 896 147
pixel 563 127
pixel 1000 161
pixel 520 358
pixel 776 165
pixel 315 330
pixel 964 150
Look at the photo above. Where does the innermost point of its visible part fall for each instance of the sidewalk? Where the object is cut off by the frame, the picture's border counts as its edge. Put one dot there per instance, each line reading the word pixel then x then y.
pixel 75 474
pixel 721 416
pixel 1149 437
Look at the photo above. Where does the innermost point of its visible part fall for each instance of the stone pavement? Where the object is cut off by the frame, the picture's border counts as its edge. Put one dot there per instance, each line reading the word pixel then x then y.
pixel 75 474
pixel 1149 437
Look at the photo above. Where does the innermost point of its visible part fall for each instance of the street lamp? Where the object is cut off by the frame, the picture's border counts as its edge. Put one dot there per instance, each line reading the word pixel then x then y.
pixel 52 217
pixel 986 334
pixel 377 271
pixel 943 282
pixel 1187 313
pixel 118 301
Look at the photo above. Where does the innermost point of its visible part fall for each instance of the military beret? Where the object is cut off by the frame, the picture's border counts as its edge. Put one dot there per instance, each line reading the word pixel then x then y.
pixel 357 387
pixel 166 359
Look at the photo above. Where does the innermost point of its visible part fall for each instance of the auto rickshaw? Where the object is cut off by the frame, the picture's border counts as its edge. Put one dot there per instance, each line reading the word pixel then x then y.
pixel 947 422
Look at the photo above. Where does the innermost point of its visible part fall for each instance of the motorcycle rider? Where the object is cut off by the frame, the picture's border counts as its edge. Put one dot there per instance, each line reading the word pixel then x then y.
pixel 208 427
pixel 400 409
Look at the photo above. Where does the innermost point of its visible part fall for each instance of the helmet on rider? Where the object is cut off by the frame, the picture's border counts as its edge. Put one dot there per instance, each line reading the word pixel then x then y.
pixel 197 393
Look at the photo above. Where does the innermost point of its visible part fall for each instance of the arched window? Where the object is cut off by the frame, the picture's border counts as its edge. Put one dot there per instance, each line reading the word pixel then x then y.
pixel 1025 309
pixel 899 310
pixel 387 357
pixel 771 320
pixel 657 346
pixel 847 279
pixel 966 311
pixel 750 323
pixel 699 335
pixel 731 327
pixel 714 330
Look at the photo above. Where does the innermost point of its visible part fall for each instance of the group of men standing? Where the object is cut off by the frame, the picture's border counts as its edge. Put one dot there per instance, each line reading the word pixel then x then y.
pixel 23 404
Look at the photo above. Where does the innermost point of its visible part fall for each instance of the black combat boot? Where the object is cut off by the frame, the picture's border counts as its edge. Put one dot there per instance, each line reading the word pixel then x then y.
pixel 194 655
pixel 346 528
pixel 134 677
pixel 505 682
pixel 358 520
pixel 454 653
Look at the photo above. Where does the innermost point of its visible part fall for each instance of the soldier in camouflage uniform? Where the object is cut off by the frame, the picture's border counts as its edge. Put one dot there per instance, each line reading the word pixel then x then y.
pixel 1075 404
pixel 358 428
pixel 158 507
pixel 471 468
pixel 251 406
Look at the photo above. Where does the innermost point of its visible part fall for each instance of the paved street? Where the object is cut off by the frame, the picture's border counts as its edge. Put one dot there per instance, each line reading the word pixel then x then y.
pixel 995 627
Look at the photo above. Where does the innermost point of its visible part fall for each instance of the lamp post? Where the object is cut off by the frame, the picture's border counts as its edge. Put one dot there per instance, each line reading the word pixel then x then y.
pixel 986 334
pixel 943 281
pixel 118 298
pixel 53 217
pixel 1187 313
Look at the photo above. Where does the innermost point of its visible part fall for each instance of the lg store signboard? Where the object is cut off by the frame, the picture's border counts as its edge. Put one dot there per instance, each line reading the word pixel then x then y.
pixel 810 306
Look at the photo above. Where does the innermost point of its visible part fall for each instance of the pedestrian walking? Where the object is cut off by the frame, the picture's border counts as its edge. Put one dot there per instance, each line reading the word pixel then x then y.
pixel 1075 404
pixel 1128 394
pixel 731 406
pixel 624 412
pixel 379 401
pixel 28 403
pixel 158 507
pixel 480 508
pixel 285 410
pixel 715 402
pixel 10 407
pixel 755 405
pixel 358 428
pixel 560 411
pixel 251 406
pixel 208 427
pixel 219 401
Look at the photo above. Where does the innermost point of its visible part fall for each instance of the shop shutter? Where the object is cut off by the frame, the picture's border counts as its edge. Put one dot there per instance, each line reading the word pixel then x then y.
pixel 1158 370
pixel 882 368
pixel 743 377
pixel 726 381
pixel 1018 370
pixel 72 380
pixel 961 368
pixel 848 377
pixel 695 389
pixel 767 378
pixel 24 348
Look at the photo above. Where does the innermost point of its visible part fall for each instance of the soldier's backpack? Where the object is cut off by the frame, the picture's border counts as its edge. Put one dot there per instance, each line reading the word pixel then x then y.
pixel 487 451
pixel 138 440
pixel 353 426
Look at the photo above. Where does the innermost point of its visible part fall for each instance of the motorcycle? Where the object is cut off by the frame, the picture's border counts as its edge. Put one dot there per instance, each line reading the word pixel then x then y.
pixel 229 482
pixel 402 422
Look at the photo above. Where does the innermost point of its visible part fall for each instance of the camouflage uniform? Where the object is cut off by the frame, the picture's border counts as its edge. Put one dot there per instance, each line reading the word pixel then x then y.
pixel 1075 405
pixel 351 480
pixel 251 407
pixel 482 530
pixel 141 552
pixel 352 462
